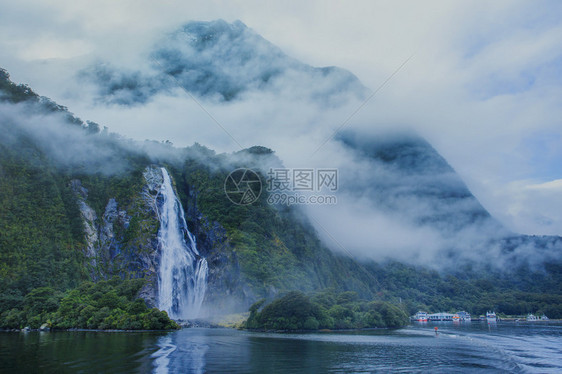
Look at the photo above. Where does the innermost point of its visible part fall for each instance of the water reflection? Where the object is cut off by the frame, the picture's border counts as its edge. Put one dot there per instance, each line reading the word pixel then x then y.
pixel 181 353
pixel 471 347
pixel 71 352
pixel 162 356
pixel 410 349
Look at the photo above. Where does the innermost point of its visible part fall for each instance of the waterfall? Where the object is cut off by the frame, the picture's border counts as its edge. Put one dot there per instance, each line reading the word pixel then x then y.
pixel 182 278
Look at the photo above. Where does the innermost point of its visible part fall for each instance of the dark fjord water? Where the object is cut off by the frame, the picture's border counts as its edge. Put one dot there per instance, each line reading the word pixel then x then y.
pixel 473 347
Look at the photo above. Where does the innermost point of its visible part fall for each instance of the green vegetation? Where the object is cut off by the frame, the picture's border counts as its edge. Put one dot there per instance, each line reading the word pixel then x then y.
pixel 516 291
pixel 42 239
pixel 103 305
pixel 276 247
pixel 42 236
pixel 12 92
pixel 22 93
pixel 324 310
pixel 41 228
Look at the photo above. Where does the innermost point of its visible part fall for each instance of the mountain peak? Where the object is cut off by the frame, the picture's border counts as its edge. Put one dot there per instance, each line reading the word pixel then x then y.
pixel 223 61
pixel 203 33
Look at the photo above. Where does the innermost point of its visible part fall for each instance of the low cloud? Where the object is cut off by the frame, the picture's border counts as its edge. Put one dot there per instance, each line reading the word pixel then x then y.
pixel 67 146
pixel 535 206
pixel 483 87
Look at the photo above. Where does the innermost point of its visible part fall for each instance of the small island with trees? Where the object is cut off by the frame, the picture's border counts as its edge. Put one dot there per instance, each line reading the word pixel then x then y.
pixel 324 310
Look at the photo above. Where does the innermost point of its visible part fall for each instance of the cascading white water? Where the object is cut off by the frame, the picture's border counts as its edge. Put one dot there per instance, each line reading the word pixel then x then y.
pixel 182 279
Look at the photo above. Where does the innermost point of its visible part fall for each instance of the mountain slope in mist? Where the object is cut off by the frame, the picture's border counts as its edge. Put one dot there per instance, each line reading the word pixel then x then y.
pixel 406 175
pixel 259 250
pixel 221 61
pixel 74 208
pixel 399 181
pixel 425 214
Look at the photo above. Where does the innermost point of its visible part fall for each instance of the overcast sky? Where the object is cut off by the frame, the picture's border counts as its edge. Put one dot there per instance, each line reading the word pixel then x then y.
pixel 484 85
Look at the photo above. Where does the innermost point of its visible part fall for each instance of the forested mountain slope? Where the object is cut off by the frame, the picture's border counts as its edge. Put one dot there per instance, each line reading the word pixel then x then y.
pixel 76 205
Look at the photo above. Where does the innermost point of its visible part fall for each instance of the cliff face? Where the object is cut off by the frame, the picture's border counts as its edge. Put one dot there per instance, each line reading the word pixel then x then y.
pixel 123 240
pixel 226 288
pixel 89 218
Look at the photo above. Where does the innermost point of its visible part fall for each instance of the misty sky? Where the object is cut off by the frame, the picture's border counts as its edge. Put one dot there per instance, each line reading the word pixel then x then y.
pixel 484 85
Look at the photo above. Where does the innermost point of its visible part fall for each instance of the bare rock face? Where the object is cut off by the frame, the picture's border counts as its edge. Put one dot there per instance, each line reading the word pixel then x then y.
pixel 89 218
pixel 123 240
pixel 227 291
pixel 148 251
pixel 107 235
pixel 154 179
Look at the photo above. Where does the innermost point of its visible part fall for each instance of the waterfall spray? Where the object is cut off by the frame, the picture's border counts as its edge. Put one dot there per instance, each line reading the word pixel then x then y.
pixel 182 278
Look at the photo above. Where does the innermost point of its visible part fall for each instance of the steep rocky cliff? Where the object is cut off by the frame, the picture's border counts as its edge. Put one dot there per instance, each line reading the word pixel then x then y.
pixel 122 241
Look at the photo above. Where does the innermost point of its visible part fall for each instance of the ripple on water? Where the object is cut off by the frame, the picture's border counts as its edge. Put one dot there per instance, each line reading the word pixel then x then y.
pixel 471 348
